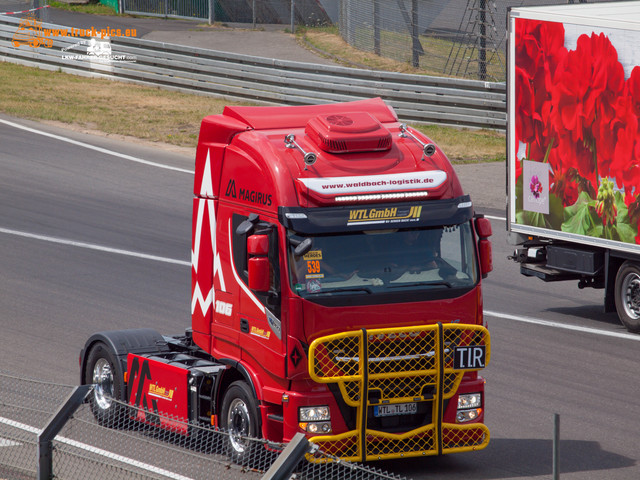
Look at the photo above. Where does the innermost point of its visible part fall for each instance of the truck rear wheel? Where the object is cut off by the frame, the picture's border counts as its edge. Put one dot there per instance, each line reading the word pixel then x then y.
pixel 239 418
pixel 628 295
pixel 101 370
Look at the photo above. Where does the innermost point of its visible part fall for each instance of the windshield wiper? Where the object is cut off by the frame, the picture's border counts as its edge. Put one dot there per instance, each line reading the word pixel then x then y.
pixel 347 290
pixel 418 284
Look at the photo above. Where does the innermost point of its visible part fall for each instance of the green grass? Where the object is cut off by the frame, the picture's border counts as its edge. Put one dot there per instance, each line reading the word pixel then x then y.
pixel 105 106
pixel 157 115
pixel 90 8
pixel 441 57
pixel 464 145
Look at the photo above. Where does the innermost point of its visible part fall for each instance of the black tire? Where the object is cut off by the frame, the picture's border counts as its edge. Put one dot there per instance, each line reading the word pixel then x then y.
pixel 239 417
pixel 102 370
pixel 627 294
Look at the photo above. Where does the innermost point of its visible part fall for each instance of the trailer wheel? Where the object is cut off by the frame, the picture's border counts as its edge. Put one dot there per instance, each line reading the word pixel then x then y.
pixel 628 295
pixel 240 419
pixel 102 372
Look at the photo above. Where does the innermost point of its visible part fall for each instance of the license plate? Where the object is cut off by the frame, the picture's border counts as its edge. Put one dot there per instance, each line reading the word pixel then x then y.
pixel 395 409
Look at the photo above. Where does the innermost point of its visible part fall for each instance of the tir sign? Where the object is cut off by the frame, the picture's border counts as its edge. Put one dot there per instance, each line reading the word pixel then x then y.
pixel 469 358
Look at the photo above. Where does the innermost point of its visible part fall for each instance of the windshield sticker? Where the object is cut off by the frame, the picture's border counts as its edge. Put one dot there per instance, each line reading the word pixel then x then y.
pixel 367 216
pixel 314 286
pixel 314 275
pixel 313 255
pixel 313 266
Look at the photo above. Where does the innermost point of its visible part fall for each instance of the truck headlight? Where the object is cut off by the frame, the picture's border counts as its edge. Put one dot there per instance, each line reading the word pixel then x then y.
pixel 316 427
pixel 469 407
pixel 470 400
pixel 314 414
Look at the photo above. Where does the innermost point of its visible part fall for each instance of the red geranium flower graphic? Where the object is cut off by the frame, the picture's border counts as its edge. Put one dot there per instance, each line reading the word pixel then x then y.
pixel 575 111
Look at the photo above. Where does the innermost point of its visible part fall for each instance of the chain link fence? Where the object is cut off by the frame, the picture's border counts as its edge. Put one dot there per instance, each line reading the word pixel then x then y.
pixel 22 8
pixel 287 12
pixel 458 38
pixel 131 445
pixel 188 9
pixel 25 408
pixel 294 12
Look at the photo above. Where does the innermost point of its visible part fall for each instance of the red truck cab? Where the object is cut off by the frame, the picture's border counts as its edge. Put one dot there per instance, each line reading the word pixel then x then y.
pixel 336 275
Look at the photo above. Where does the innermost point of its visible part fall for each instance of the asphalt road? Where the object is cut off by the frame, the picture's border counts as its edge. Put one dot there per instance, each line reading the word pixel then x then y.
pixel 54 295
pixel 97 215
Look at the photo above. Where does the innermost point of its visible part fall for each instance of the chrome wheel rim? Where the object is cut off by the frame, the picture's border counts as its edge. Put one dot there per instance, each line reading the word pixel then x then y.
pixel 631 295
pixel 103 381
pixel 238 423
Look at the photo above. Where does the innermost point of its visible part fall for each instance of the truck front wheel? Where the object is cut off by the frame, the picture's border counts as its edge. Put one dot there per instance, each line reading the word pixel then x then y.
pixel 102 372
pixel 240 419
pixel 628 295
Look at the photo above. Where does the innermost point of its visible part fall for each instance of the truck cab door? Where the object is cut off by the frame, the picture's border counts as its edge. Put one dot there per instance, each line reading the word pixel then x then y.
pixel 256 260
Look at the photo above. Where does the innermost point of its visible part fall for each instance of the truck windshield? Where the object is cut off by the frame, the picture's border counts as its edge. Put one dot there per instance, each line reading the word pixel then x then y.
pixel 377 261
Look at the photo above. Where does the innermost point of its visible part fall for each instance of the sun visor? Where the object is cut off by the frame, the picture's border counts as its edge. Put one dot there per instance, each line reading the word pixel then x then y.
pixel 381 216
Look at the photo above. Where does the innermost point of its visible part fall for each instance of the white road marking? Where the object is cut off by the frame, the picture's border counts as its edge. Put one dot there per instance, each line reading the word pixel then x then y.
pixel 97 451
pixel 517 318
pixel 93 147
pixel 564 326
pixel 91 246
pixel 5 442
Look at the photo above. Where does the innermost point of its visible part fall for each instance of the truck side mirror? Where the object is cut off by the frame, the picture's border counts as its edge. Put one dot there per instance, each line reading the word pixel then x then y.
pixel 486 256
pixel 483 228
pixel 303 247
pixel 258 265
pixel 247 225
pixel 258 245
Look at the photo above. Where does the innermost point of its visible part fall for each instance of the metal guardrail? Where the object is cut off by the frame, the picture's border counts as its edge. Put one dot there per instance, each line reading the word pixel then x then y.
pixel 416 98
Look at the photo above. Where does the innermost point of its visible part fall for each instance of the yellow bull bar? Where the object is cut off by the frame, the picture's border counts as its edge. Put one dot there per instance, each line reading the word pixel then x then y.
pixel 399 368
